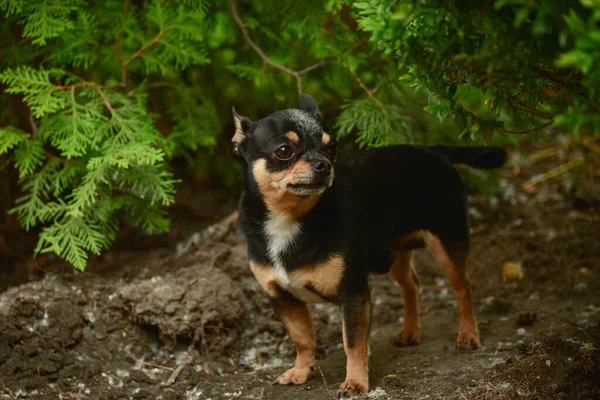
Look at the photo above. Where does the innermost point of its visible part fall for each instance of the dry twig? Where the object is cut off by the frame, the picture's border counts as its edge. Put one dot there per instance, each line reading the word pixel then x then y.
pixel 323 376
pixel 543 154
pixel 561 319
pixel 149 364
pixel 174 375
pixel 552 173
pixel 589 143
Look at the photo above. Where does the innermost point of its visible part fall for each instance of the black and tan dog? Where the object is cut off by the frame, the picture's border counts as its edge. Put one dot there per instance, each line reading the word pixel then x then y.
pixel 316 231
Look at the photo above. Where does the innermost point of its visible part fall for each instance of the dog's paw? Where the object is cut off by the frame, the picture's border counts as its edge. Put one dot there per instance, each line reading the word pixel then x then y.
pixel 407 336
pixel 352 387
pixel 294 376
pixel 468 340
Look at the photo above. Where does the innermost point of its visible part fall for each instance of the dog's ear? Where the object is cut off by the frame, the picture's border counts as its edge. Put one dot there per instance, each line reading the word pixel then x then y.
pixel 308 104
pixel 242 126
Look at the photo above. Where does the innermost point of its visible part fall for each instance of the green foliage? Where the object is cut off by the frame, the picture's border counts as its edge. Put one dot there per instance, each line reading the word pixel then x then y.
pixel 94 153
pixel 117 90
pixel 496 67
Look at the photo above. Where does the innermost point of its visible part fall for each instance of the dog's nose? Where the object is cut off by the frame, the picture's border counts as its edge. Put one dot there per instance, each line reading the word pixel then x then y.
pixel 322 166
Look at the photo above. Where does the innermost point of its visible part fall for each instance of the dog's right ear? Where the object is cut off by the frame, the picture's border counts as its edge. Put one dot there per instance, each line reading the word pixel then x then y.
pixel 242 126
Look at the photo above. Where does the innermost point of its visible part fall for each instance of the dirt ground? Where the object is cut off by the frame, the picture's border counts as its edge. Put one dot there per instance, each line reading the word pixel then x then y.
pixel 191 322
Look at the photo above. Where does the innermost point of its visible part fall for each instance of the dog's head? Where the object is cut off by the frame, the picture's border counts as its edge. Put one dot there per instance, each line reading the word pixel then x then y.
pixel 289 154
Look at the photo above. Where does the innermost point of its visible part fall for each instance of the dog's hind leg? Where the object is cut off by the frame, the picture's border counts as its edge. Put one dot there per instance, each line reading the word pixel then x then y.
pixel 403 272
pixel 454 260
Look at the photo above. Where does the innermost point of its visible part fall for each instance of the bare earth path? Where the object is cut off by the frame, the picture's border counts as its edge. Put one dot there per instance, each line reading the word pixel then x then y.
pixel 195 325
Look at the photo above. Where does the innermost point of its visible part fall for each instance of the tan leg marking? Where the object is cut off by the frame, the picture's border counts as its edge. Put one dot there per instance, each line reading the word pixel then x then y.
pixel 323 277
pixel 325 138
pixel 468 335
pixel 403 272
pixel 357 354
pixel 273 186
pixel 297 319
pixel 266 278
pixel 292 137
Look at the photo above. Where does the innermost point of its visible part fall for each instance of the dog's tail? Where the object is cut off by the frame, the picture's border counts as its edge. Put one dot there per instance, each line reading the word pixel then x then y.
pixel 474 156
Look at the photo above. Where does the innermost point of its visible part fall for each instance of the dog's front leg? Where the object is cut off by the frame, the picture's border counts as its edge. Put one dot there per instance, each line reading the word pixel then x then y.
pixel 295 316
pixel 356 312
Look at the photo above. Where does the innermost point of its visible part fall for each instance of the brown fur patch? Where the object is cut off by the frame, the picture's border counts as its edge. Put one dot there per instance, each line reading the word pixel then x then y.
pixel 273 186
pixel 324 278
pixel 266 278
pixel 403 272
pixel 292 137
pixel 357 353
pixel 297 320
pixel 325 138
pixel 468 335
pixel 410 240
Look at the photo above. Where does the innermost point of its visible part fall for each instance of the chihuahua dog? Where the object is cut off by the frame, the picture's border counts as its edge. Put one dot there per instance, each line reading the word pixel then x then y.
pixel 315 229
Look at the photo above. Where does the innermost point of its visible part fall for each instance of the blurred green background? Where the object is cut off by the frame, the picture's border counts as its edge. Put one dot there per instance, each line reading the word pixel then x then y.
pixel 108 108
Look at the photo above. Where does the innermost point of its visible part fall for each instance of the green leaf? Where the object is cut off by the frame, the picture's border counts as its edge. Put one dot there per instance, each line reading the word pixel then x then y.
pixel 29 154
pixel 70 237
pixel 11 137
pixel 578 59
pixel 47 19
pixel 40 94
pixel 74 131
pixel 33 207
pixel 11 6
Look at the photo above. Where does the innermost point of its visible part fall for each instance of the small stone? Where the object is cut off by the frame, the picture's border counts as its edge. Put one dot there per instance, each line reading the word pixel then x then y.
pixel 521 331
pixel 548 362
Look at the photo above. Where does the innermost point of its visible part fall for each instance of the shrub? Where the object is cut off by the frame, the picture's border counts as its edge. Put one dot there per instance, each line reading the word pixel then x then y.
pixel 94 149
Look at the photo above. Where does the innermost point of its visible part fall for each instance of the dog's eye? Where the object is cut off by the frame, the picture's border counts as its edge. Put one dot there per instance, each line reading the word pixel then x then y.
pixel 284 152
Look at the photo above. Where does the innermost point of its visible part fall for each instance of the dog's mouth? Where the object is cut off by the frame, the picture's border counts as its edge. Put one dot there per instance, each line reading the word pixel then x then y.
pixel 307 189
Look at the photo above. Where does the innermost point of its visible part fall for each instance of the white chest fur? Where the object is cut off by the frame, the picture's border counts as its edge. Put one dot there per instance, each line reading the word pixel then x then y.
pixel 281 234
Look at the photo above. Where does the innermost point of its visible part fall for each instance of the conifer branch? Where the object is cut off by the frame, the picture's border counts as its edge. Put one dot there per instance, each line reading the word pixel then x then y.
pixel 106 102
pixel 34 127
pixel 368 91
pixel 142 49
pixel 121 62
pixel 267 60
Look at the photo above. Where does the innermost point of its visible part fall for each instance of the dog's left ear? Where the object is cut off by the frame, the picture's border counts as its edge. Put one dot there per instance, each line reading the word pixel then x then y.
pixel 308 104
pixel 242 126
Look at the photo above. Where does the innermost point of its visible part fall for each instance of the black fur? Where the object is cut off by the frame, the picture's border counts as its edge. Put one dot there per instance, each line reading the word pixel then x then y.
pixel 376 197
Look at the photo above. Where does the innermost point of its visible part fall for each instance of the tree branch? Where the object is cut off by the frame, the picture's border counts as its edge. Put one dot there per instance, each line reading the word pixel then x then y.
pixel 532 110
pixel 368 91
pixel 549 75
pixel 268 61
pixel 106 102
pixel 121 62
pixel 257 49
pixel 34 127
pixel 142 49
pixel 534 129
